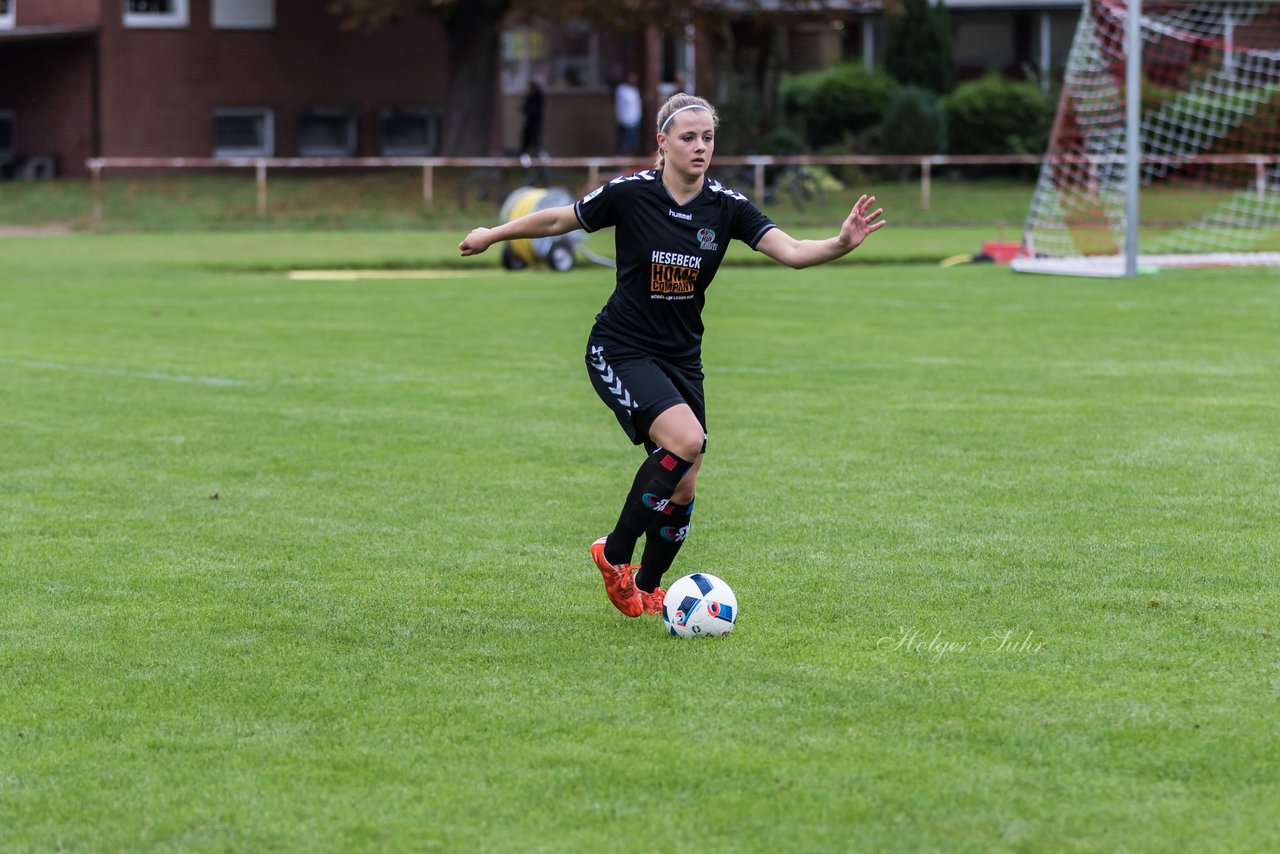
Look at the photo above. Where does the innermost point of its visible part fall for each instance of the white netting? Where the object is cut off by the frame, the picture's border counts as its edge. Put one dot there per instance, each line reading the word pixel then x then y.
pixel 1210 136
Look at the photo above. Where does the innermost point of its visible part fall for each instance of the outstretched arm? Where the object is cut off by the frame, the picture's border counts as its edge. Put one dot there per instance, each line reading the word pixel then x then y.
pixel 546 223
pixel 861 222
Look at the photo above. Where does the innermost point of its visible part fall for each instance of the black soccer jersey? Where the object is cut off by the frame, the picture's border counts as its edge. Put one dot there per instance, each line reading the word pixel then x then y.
pixel 667 255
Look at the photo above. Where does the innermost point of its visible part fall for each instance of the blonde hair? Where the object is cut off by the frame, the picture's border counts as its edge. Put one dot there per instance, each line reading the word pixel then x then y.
pixel 680 101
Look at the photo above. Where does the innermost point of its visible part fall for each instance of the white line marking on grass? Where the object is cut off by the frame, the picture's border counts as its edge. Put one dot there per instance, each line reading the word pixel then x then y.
pixel 119 372
pixel 358 275
pixel 802 368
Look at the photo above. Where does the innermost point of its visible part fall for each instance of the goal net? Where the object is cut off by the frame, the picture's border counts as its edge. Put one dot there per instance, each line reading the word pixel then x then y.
pixel 1209 142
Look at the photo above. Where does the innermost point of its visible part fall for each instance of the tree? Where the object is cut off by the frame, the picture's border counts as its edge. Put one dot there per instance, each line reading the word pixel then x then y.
pixel 474 30
pixel 918 47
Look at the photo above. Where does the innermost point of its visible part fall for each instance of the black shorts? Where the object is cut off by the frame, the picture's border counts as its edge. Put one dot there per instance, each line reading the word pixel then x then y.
pixel 639 387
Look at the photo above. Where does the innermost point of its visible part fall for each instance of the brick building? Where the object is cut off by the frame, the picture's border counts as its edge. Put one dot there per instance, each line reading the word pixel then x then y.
pixel 195 78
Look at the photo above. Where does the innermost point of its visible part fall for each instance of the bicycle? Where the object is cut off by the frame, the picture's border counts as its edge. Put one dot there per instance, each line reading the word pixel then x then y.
pixel 799 183
pixel 487 188
pixel 483 189
pixel 741 179
pixel 802 185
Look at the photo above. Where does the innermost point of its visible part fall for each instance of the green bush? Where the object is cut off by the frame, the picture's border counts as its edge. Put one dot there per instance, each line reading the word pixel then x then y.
pixel 914 123
pixel 834 104
pixel 781 140
pixel 997 116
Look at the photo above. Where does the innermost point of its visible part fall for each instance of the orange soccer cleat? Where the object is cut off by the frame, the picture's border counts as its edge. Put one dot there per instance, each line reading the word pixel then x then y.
pixel 652 602
pixel 618 582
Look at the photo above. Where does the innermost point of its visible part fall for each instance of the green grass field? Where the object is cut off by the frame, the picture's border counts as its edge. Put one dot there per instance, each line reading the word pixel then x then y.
pixel 303 565
pixel 392 199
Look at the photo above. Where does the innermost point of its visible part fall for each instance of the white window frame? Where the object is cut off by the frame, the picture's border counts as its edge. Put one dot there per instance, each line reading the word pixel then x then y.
pixel 432 118
pixel 158 20
pixel 267 23
pixel 268 147
pixel 9 17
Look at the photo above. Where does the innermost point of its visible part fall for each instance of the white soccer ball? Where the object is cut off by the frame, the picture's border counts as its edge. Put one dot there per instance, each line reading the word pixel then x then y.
pixel 699 605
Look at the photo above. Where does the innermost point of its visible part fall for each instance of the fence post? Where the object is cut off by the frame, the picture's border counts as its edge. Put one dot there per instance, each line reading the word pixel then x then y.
pixel 260 173
pixel 95 172
pixel 926 181
pixel 428 187
pixel 758 184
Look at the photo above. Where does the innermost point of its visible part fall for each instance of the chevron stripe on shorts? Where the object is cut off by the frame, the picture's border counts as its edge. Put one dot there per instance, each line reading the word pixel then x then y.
pixel 612 382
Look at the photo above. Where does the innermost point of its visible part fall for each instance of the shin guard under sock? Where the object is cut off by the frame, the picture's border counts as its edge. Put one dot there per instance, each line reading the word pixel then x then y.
pixel 651 491
pixel 662 541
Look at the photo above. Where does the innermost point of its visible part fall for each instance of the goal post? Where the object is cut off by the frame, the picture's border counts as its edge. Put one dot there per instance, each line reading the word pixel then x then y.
pixel 1200 185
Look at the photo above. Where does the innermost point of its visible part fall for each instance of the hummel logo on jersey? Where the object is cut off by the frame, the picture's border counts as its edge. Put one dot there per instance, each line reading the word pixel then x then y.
pixel 678 215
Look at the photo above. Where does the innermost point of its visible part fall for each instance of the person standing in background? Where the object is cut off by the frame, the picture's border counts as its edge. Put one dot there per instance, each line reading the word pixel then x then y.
pixel 629 110
pixel 531 134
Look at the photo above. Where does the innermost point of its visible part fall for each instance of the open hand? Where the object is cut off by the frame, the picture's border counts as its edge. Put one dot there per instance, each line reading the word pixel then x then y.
pixel 861 222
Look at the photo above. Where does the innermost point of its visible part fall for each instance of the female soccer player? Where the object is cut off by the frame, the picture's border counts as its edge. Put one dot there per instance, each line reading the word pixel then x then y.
pixel 673 226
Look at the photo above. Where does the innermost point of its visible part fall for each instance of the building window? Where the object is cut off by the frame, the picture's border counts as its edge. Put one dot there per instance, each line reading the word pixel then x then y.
pixel 327 133
pixel 982 41
pixel 410 132
pixel 155 13
pixel 244 14
pixel 561 57
pixel 8 14
pixel 243 132
pixel 6 138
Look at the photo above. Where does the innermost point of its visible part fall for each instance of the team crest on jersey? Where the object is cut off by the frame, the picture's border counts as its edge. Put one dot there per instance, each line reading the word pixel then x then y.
pixel 707 239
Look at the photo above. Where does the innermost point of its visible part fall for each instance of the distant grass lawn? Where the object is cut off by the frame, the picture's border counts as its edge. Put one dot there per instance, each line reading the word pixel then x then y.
pixel 303 565
pixel 961 217
pixel 393 199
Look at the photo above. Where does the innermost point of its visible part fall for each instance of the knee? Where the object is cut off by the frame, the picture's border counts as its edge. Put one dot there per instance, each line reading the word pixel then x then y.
pixel 687 445
pixel 684 490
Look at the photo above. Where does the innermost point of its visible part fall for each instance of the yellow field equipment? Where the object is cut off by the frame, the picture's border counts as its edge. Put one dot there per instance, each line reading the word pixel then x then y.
pixel 560 252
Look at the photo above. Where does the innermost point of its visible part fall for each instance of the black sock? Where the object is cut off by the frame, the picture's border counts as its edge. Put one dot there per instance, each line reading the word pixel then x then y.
pixel 662 540
pixel 650 492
